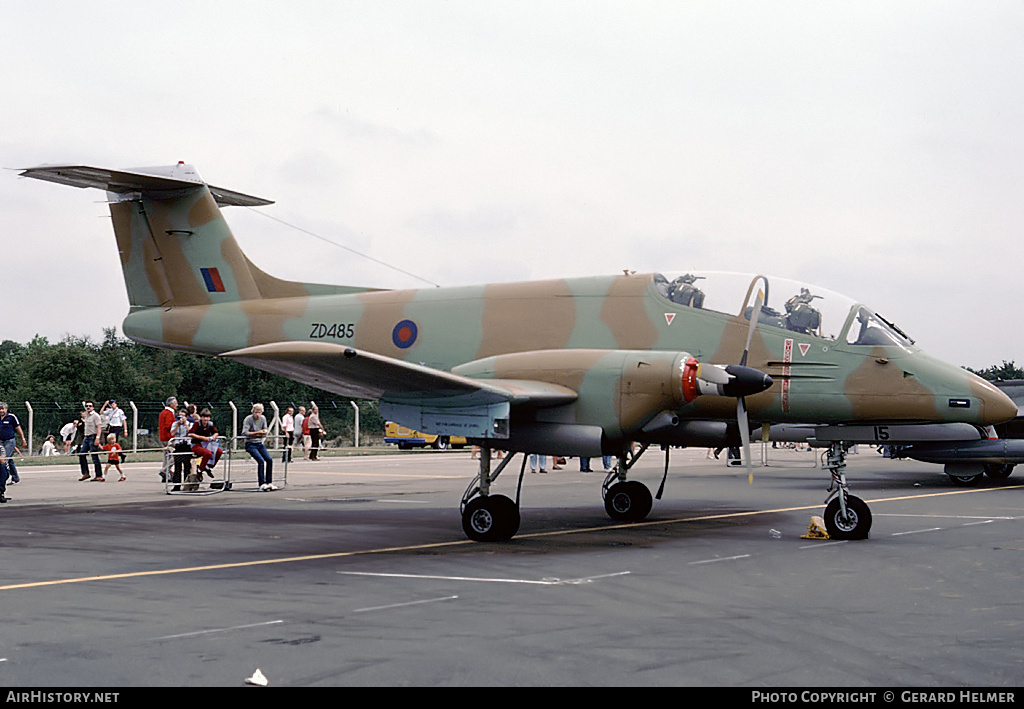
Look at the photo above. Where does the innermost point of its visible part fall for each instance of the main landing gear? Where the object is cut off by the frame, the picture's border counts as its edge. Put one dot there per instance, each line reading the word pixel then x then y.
pixel 626 500
pixel 487 517
pixel 846 516
pixel 495 518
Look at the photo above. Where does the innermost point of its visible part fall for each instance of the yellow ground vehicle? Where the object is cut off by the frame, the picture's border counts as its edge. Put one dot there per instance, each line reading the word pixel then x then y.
pixel 407 438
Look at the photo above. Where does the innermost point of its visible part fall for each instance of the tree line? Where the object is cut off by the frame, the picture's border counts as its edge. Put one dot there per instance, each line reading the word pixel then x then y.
pixel 999 373
pixel 55 378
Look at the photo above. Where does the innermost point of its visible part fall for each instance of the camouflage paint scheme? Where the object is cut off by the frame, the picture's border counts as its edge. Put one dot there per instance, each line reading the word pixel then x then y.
pixel 599 358
pixel 567 367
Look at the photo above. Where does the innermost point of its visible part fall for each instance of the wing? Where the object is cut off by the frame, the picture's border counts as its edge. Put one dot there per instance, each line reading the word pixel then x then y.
pixel 357 373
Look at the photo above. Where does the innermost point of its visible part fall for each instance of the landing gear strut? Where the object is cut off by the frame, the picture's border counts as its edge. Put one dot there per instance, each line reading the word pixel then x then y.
pixel 626 500
pixel 846 516
pixel 495 518
pixel 486 517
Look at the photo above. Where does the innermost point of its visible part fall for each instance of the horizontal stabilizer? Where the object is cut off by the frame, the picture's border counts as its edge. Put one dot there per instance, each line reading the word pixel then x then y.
pixel 147 180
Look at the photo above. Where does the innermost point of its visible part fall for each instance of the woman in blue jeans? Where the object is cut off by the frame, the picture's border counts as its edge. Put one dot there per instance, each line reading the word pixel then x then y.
pixel 255 429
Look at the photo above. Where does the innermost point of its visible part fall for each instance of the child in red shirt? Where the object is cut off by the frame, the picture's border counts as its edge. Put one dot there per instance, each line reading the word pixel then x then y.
pixel 113 458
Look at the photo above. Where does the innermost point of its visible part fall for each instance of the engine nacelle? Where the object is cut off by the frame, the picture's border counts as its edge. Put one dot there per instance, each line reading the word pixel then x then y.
pixel 620 391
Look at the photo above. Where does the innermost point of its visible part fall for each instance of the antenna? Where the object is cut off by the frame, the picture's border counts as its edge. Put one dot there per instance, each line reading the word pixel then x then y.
pixel 346 248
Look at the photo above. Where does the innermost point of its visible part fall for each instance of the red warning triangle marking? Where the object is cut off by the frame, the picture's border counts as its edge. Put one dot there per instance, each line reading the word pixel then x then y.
pixel 803 348
pixel 669 317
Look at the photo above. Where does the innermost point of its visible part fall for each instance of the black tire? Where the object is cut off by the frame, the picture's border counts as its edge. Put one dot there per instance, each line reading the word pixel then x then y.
pixel 628 502
pixel 998 471
pixel 856 526
pixel 494 518
pixel 966 480
pixel 440 443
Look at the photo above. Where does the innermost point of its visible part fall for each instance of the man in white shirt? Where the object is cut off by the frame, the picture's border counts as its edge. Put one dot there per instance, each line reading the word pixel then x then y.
pixel 67 435
pixel 297 430
pixel 116 418
pixel 288 423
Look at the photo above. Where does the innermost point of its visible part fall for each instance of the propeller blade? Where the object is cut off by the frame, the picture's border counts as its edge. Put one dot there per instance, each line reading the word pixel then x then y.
pixel 744 424
pixel 741 406
pixel 754 316
pixel 713 373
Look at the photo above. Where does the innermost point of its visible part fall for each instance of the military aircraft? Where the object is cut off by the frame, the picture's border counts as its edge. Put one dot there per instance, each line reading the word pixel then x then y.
pixel 577 367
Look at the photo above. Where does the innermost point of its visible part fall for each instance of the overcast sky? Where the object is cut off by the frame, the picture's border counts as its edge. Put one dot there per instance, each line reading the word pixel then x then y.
pixel 874 148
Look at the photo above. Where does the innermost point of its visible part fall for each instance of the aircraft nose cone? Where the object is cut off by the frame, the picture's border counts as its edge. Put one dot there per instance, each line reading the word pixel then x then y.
pixel 996 406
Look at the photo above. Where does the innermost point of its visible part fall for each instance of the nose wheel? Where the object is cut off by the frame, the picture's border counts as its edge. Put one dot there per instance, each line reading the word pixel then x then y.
pixel 846 516
pixel 854 523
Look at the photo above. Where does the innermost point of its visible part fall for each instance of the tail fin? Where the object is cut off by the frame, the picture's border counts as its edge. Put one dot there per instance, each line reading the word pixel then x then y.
pixel 176 248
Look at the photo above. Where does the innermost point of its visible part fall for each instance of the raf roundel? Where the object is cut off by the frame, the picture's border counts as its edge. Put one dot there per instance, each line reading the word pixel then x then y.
pixel 404 334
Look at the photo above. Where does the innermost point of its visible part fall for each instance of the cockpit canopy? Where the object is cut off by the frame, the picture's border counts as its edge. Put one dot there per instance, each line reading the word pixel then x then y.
pixel 787 304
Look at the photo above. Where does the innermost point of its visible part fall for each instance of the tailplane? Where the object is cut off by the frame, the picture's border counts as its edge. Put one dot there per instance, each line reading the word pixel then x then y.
pixel 176 248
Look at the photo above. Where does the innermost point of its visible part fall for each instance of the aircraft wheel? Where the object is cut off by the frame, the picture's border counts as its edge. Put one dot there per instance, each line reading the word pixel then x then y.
pixel 494 518
pixel 998 471
pixel 628 501
pixel 965 474
pixel 966 480
pixel 857 523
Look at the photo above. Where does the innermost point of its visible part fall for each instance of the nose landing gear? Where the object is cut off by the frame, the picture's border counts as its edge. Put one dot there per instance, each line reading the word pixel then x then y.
pixel 846 516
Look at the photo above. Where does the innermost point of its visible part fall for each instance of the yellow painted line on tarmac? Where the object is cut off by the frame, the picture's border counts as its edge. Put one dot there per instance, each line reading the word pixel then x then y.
pixel 467 542
pixel 949 492
pixel 749 513
pixel 235 565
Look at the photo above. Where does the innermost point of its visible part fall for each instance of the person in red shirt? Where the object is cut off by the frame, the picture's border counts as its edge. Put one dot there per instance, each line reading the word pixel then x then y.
pixel 164 424
pixel 113 449
pixel 205 442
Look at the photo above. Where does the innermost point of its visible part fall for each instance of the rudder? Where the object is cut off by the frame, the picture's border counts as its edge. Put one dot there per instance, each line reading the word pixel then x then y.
pixel 178 251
